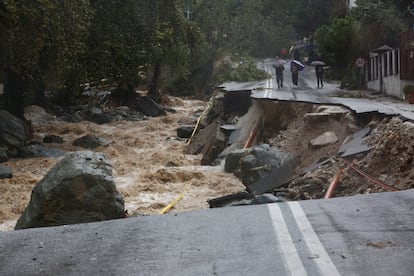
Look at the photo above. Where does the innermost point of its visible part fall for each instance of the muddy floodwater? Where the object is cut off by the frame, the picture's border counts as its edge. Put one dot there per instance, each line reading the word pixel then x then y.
pixel 149 166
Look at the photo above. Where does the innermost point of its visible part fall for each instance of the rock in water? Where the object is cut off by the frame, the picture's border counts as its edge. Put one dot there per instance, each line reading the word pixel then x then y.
pixel 5 172
pixel 78 189
pixel 13 132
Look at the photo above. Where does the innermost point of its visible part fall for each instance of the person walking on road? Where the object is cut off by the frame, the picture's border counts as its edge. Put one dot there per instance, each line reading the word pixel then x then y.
pixel 295 74
pixel 279 73
pixel 319 75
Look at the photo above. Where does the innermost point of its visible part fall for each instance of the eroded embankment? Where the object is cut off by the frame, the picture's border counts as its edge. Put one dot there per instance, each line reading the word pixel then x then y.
pixel 293 127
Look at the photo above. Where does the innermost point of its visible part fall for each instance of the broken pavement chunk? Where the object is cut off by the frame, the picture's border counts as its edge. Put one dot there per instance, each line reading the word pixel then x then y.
pixel 327 138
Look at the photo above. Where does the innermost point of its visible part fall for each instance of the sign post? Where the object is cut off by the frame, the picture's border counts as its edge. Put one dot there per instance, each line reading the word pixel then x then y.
pixel 360 63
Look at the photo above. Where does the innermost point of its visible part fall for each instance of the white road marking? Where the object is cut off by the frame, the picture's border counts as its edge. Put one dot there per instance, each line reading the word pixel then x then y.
pixel 323 261
pixel 269 82
pixel 292 261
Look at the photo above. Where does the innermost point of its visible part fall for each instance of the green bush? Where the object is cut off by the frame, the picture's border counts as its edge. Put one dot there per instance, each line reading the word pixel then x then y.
pixel 408 88
pixel 240 69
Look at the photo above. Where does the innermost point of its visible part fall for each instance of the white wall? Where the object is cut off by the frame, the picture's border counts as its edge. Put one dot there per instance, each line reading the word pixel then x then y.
pixel 392 86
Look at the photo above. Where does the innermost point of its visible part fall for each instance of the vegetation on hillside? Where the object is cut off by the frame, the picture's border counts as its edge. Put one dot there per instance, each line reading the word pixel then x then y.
pixel 173 46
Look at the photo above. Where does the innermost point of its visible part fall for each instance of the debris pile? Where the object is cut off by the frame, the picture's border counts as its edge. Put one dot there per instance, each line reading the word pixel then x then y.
pixel 390 161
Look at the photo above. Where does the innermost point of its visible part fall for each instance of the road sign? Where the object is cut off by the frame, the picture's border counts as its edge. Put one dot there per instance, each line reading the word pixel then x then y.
pixel 360 62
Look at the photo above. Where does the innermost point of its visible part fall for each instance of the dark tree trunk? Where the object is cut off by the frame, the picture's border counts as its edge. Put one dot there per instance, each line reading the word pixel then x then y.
pixel 39 93
pixel 14 89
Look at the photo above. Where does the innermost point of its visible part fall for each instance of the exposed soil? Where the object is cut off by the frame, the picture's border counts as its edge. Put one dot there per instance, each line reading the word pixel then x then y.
pixel 390 160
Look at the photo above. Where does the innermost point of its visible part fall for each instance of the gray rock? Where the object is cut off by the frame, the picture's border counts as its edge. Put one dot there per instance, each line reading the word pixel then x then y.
pixel 90 142
pixel 93 111
pixel 37 115
pixel 233 160
pixel 78 189
pixel 327 138
pixel 5 172
pixel 3 154
pixel 53 139
pixel 100 119
pixel 97 116
pixel 261 161
pixel 147 106
pixel 408 125
pixel 185 131
pixel 13 131
pixel 41 151
pixel 122 111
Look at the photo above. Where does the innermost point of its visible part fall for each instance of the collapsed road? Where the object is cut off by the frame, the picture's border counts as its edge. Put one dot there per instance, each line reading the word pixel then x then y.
pixel 362 235
pixel 323 128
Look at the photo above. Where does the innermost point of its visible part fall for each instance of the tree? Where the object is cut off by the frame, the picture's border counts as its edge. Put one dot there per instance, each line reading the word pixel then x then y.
pixel 308 15
pixel 40 45
pixel 380 22
pixel 337 41
pixel 129 34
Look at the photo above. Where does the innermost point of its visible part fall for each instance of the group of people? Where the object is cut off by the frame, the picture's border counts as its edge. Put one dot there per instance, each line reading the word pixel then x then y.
pixel 294 69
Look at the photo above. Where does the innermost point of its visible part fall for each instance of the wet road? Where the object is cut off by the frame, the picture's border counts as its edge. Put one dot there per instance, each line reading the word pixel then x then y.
pixel 308 92
pixel 359 235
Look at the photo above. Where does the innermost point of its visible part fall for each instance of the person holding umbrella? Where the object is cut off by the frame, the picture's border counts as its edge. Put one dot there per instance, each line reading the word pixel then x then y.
pixel 319 71
pixel 319 75
pixel 295 67
pixel 279 67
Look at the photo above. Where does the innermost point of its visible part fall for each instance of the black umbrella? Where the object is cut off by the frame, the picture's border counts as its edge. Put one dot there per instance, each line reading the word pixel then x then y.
pixel 318 63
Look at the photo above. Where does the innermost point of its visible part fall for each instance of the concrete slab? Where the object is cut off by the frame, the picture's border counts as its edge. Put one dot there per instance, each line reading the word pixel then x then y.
pixel 241 86
pixel 355 144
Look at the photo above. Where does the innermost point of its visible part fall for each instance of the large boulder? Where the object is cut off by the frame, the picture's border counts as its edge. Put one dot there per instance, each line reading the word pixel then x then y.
pixel 261 161
pixel 37 115
pixel 13 132
pixel 78 189
pixel 149 107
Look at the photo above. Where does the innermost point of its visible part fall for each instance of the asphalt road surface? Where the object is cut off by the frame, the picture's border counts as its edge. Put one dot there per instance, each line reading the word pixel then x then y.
pixel 358 235
pixel 308 92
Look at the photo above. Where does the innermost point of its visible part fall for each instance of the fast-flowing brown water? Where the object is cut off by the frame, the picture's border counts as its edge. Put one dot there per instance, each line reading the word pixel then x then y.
pixel 149 166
